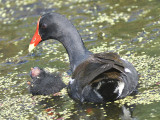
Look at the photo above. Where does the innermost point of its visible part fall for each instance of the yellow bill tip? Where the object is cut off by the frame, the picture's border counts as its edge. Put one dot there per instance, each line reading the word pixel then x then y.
pixel 31 47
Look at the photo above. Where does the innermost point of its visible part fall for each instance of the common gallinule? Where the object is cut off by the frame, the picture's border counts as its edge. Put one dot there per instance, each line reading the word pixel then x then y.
pixel 96 77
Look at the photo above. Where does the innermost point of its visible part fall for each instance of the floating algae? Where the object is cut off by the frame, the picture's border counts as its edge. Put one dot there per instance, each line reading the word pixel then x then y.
pixel 130 28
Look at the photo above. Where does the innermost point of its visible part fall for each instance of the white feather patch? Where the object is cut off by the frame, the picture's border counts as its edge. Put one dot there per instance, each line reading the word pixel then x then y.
pixel 99 95
pixel 119 88
pixel 71 81
pixel 99 85
pixel 127 70
pixel 123 59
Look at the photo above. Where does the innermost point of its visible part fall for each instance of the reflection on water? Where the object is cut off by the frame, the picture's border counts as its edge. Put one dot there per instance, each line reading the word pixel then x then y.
pixel 130 28
pixel 87 110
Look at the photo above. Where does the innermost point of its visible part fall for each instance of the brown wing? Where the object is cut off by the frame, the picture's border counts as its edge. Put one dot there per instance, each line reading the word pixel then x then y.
pixel 95 65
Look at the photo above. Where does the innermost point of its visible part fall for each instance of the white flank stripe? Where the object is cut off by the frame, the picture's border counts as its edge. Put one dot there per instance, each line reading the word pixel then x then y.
pixel 123 59
pixel 127 70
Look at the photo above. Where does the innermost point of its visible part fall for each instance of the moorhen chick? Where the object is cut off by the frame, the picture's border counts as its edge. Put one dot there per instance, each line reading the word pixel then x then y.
pixel 44 83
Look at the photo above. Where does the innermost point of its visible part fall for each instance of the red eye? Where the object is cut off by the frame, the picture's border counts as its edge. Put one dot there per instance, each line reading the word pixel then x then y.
pixel 44 26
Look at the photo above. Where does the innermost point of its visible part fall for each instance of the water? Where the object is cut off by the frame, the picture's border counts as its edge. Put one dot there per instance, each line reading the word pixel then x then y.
pixel 130 28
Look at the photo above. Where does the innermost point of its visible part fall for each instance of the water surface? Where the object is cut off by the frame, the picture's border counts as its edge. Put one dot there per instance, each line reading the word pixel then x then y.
pixel 128 27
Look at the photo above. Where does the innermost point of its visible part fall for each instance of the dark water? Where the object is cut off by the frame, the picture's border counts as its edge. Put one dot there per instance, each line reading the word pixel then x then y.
pixel 128 27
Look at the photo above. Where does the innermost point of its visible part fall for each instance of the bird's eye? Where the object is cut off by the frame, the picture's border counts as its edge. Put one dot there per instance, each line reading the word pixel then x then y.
pixel 44 26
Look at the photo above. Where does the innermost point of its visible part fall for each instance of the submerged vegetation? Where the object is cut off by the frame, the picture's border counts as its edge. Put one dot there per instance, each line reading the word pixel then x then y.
pixel 130 28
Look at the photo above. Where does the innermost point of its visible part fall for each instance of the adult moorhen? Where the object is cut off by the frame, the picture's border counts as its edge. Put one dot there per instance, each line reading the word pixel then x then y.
pixel 96 77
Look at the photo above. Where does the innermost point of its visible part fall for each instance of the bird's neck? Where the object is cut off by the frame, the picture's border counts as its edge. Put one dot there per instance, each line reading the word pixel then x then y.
pixel 74 46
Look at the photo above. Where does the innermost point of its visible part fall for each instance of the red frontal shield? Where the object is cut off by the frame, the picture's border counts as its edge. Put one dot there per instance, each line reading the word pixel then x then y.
pixel 36 38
